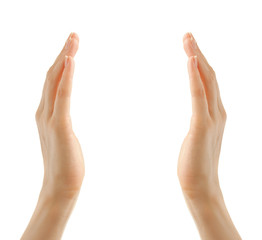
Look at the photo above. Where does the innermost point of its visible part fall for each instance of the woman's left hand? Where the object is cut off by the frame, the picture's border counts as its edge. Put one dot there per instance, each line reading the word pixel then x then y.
pixel 63 159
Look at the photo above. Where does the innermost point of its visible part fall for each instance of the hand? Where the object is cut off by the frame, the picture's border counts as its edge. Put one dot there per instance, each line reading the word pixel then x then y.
pixel 198 160
pixel 63 160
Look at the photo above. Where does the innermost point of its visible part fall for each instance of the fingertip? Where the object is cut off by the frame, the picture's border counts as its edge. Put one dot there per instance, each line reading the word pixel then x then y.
pixel 187 35
pixel 191 58
pixel 75 36
pixel 71 58
pixel 189 61
pixel 187 44
pixel 192 61
pixel 66 61
pixel 69 61
pixel 195 61
pixel 71 45
pixel 74 47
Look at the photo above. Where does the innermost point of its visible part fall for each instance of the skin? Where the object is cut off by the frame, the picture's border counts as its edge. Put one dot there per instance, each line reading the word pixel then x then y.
pixel 199 155
pixel 64 168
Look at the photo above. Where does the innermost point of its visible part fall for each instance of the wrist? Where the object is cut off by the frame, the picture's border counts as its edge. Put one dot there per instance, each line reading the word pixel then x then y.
pixel 201 190
pixel 55 196
pixel 50 216
pixel 205 202
pixel 59 191
pixel 56 204
pixel 211 216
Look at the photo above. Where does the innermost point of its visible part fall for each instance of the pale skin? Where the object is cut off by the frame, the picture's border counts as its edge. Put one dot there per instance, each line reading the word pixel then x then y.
pixel 199 155
pixel 64 168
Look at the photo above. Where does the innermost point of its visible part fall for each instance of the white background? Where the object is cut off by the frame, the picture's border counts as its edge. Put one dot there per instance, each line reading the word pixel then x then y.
pixel 131 109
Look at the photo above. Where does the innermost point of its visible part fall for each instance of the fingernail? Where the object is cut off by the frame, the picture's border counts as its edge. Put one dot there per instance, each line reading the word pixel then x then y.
pixel 191 36
pixel 68 42
pixel 66 61
pixel 195 61
pixel 193 41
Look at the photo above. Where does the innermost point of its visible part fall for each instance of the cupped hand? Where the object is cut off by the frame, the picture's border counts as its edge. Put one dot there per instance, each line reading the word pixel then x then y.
pixel 63 159
pixel 199 155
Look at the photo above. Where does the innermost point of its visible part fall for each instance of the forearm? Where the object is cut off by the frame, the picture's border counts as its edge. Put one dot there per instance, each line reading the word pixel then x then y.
pixel 211 217
pixel 50 217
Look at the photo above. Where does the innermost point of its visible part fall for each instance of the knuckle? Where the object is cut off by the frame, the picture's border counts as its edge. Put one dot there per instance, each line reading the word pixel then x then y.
pixel 41 118
pixel 220 119
pixel 222 111
pixel 37 115
pixel 224 115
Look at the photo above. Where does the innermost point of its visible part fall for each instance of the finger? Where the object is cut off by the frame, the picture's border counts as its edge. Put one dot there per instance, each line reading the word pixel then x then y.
pixel 55 72
pixel 206 72
pixel 69 48
pixel 199 101
pixel 191 47
pixel 62 101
